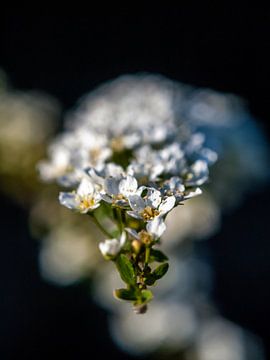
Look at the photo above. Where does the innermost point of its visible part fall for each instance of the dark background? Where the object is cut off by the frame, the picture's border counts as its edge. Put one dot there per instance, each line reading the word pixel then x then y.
pixel 224 48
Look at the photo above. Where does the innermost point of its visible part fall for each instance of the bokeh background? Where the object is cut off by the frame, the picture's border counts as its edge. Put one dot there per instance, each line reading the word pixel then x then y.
pixel 224 48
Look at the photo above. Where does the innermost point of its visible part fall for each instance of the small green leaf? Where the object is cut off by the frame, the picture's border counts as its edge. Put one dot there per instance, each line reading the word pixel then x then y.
pixel 150 280
pixel 125 294
pixel 160 271
pixel 126 270
pixel 157 255
pixel 146 296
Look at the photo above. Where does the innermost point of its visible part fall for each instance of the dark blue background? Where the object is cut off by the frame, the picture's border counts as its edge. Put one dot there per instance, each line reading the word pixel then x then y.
pixel 224 48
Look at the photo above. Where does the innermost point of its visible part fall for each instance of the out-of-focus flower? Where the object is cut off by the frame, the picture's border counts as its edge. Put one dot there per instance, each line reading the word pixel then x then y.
pixel 68 254
pixel 223 340
pixel 27 121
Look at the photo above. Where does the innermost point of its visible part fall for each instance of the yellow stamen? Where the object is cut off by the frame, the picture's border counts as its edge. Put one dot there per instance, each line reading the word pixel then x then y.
pixel 149 213
pixel 118 197
pixel 86 202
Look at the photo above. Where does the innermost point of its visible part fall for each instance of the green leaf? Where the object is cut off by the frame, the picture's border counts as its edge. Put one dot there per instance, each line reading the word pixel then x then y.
pixel 125 294
pixel 126 270
pixel 116 233
pixel 160 271
pixel 150 280
pixel 146 296
pixel 158 256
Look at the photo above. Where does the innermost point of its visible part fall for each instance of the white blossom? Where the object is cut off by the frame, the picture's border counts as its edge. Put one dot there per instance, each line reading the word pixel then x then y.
pixel 154 230
pixel 111 247
pixel 197 173
pixel 118 191
pixel 151 205
pixel 57 166
pixel 84 199
pixel 174 186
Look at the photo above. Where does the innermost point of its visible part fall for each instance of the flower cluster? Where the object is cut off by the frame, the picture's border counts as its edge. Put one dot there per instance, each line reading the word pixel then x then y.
pixel 128 162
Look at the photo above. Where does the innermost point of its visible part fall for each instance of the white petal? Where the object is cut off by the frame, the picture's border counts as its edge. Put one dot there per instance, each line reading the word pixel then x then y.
pixel 175 183
pixel 156 170
pixel 136 203
pixel 193 193
pixel 140 190
pixel 133 233
pixel 96 178
pixel 48 171
pixel 123 238
pixel 112 186
pixel 110 247
pixel 153 198
pixel 199 173
pixel 114 170
pixel 68 199
pixel 86 187
pixel 134 214
pixel 130 170
pixel 69 180
pixel 128 186
pixel 106 198
pixel 166 205
pixel 131 140
pixel 199 167
pixel 209 155
pixel 156 227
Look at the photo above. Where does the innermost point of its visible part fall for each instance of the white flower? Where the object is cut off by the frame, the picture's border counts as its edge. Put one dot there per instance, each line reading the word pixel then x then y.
pixel 170 159
pixel 173 158
pixel 197 174
pixel 145 171
pixel 111 247
pixel 118 191
pixel 91 149
pixel 108 170
pixel 57 166
pixel 174 186
pixel 150 205
pixel 154 230
pixel 84 199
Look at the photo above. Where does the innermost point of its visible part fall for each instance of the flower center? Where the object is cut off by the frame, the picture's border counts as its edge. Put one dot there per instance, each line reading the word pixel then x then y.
pixel 117 198
pixel 149 213
pixel 145 237
pixel 117 144
pixel 86 202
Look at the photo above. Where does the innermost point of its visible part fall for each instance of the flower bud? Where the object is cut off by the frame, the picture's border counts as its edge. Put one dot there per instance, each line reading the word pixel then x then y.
pixel 136 246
